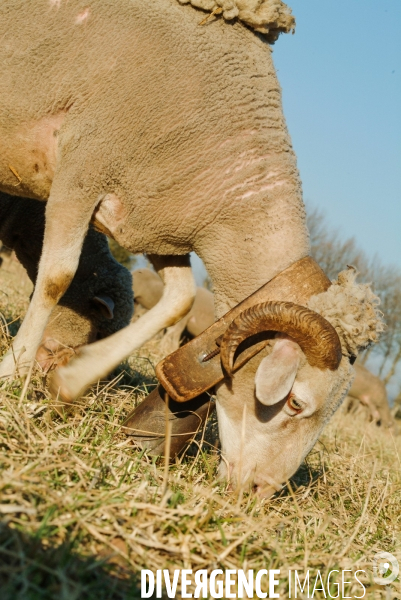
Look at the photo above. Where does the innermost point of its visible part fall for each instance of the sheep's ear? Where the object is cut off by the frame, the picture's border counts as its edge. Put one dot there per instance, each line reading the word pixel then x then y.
pixel 105 305
pixel 276 373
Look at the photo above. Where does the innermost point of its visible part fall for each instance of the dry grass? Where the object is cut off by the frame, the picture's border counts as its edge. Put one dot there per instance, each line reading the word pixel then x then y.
pixel 82 510
pixel 15 289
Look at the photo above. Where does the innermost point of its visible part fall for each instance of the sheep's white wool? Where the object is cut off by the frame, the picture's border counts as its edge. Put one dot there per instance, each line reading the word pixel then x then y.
pixel 270 17
pixel 352 310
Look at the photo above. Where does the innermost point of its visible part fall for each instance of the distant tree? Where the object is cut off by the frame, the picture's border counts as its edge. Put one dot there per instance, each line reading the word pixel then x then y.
pixel 333 253
pixel 388 287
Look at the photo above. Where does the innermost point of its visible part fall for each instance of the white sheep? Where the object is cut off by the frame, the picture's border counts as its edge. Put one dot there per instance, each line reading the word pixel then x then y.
pixel 370 391
pixel 169 136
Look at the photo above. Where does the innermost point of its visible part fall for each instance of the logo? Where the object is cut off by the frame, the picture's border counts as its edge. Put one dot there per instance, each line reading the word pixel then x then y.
pixel 385 568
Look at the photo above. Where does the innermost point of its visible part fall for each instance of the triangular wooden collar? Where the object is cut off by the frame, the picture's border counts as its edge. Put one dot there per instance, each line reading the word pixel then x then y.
pixel 196 367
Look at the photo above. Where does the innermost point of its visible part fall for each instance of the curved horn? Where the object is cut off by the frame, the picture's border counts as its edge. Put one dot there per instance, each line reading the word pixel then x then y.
pixel 317 337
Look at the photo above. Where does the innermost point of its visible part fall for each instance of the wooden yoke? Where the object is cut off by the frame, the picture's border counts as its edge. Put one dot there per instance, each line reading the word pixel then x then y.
pixel 196 366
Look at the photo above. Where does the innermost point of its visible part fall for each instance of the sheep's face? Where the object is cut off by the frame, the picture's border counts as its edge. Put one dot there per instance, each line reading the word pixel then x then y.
pixel 272 412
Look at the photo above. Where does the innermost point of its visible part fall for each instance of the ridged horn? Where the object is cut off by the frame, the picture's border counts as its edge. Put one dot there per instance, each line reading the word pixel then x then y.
pixel 316 337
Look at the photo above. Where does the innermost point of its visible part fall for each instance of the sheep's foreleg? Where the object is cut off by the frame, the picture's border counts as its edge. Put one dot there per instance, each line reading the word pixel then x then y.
pixel 66 227
pixel 96 360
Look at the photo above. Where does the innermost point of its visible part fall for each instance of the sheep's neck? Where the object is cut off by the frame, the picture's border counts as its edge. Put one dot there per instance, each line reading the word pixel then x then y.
pixel 241 259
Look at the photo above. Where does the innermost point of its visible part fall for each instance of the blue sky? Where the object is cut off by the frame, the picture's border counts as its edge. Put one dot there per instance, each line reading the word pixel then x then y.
pixel 341 80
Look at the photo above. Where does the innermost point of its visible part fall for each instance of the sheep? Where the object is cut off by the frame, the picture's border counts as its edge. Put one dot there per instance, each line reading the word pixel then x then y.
pixel 169 136
pixel 99 300
pixel 147 287
pixel 370 391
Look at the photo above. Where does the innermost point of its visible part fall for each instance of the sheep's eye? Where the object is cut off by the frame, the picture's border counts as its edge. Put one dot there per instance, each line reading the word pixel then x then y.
pixel 294 403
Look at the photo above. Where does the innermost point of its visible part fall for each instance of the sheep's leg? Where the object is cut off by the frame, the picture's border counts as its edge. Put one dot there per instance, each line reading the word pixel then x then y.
pixel 171 339
pixel 96 360
pixel 66 227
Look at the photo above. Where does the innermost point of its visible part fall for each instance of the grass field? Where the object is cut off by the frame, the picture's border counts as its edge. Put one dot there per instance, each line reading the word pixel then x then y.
pixel 82 510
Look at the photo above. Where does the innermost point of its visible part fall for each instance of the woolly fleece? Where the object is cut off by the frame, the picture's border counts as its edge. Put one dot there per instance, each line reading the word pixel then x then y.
pixel 352 310
pixel 270 17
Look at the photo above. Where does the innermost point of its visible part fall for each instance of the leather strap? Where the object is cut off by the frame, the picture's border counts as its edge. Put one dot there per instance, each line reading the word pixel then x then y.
pixel 196 367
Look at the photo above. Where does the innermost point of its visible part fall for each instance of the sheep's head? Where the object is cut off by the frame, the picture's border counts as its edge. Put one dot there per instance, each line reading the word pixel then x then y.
pixel 272 411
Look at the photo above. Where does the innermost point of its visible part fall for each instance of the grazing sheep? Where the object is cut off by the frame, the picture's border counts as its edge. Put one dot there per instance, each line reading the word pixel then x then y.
pixel 148 290
pixel 99 300
pixel 370 391
pixel 147 287
pixel 169 135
